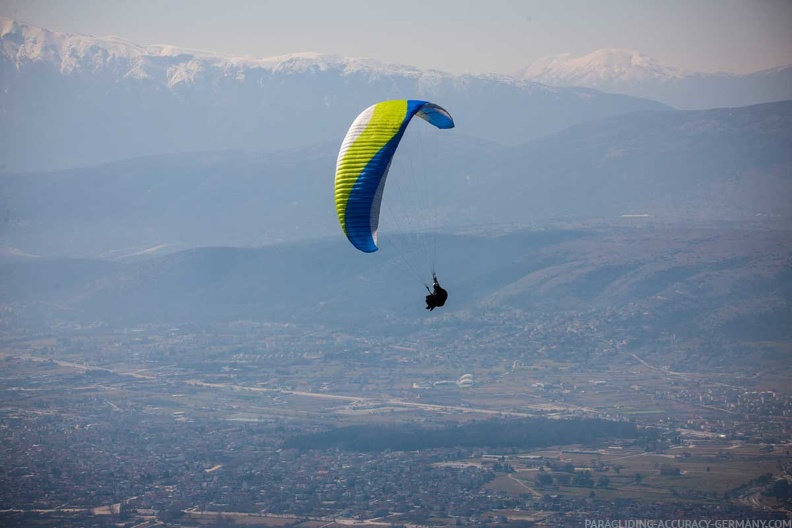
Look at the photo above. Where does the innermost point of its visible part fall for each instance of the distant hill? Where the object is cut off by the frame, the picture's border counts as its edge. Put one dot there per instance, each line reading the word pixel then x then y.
pixel 688 167
pixel 708 165
pixel 76 100
pixel 638 281
pixel 633 73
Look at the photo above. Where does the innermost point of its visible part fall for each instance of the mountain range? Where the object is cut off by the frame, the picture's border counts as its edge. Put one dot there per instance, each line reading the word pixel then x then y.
pixel 669 167
pixel 715 286
pixel 75 100
pixel 149 184
pixel 633 73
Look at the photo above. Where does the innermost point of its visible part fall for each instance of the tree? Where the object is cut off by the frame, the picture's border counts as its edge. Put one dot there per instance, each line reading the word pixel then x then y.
pixel 583 479
pixel 781 489
pixel 544 479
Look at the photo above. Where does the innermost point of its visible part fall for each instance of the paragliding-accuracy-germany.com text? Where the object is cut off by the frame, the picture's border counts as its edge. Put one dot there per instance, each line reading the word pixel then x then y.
pixel 688 523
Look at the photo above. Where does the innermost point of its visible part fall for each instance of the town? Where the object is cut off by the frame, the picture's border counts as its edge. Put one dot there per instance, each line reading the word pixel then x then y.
pixel 188 425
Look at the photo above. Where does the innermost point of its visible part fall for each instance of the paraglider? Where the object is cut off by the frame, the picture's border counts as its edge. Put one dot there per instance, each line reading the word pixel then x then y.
pixel 362 168
pixel 364 161
pixel 437 295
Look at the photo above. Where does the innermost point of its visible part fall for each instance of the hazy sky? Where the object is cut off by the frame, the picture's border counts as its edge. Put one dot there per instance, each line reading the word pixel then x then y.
pixel 458 36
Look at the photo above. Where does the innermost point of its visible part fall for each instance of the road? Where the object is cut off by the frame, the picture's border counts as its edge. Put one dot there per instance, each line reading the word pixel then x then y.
pixel 396 402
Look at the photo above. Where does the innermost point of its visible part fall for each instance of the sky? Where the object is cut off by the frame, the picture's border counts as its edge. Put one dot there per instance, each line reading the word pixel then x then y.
pixel 455 36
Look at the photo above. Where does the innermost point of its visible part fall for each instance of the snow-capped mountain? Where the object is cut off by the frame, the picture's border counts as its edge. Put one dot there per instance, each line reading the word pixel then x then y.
pixel 600 67
pixel 633 73
pixel 69 100
pixel 166 65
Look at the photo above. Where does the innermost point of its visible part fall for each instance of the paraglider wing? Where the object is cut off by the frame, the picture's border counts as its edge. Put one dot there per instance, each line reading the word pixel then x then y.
pixel 364 160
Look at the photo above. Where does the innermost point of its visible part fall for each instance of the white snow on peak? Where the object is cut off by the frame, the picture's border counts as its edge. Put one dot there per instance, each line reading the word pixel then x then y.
pixel 24 43
pixel 171 65
pixel 601 67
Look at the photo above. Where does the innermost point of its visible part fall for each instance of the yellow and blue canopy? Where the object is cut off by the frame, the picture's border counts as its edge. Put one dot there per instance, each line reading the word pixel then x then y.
pixel 364 160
